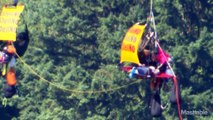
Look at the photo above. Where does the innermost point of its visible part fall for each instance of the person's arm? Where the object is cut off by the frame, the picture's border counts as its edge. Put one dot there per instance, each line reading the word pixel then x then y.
pixel 141 65
pixel 159 66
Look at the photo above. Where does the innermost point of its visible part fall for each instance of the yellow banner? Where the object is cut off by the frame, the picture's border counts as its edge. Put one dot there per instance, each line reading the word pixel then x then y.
pixel 8 22
pixel 130 44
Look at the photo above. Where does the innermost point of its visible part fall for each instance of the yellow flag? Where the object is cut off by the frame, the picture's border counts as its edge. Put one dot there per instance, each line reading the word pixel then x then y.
pixel 130 44
pixel 8 22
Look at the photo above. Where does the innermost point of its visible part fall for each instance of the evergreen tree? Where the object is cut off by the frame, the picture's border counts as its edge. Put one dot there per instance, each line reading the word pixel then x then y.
pixel 75 47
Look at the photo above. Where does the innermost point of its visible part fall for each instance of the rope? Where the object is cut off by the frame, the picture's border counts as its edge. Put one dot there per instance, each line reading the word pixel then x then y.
pixel 72 90
pixel 166 60
pixel 177 98
pixel 66 89
pixel 153 19
pixel 176 85
pixel 151 6
pixel 174 78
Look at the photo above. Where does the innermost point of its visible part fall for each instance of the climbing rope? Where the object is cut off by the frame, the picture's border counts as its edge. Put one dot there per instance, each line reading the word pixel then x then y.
pixel 72 90
pixel 177 98
pixel 175 83
pixel 66 89
pixel 166 60
pixel 152 17
pixel 174 78
pixel 151 6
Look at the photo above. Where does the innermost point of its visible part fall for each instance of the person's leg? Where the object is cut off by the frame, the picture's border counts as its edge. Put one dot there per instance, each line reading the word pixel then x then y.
pixel 174 95
pixel 10 77
pixel 132 72
pixel 142 71
pixel 156 109
pixel 9 91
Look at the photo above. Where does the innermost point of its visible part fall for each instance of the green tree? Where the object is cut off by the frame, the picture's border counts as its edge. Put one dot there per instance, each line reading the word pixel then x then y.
pixel 75 47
